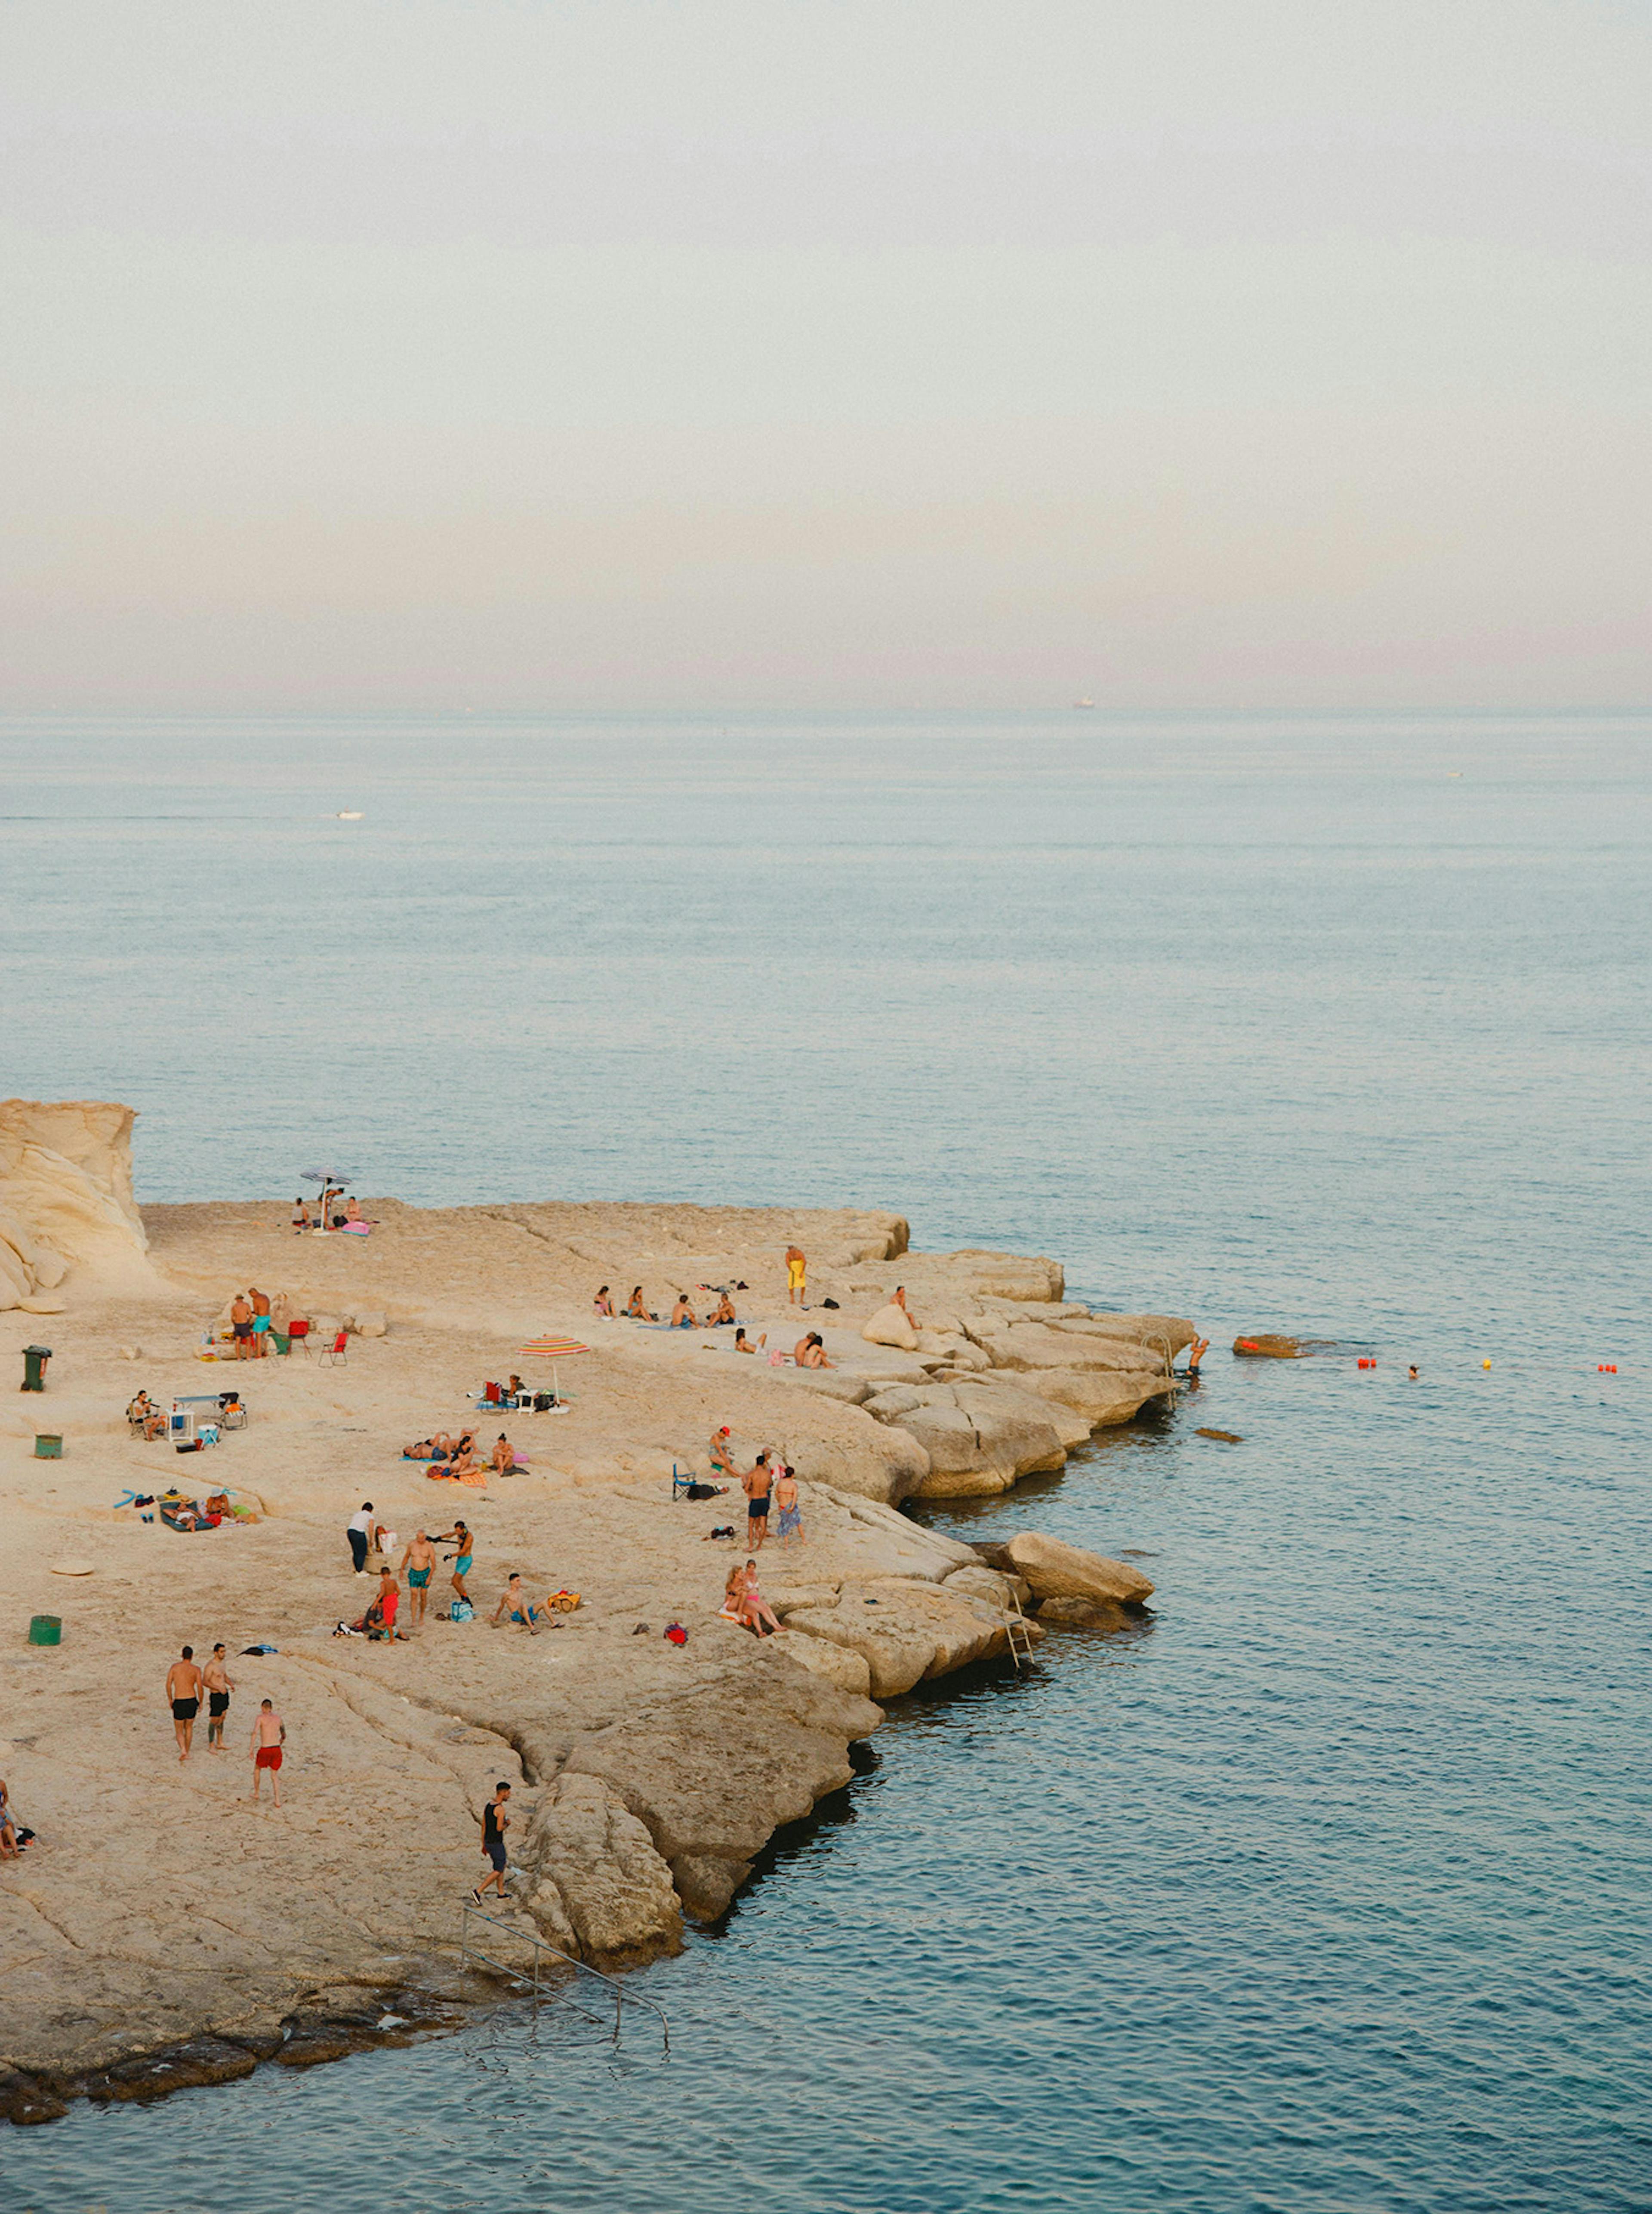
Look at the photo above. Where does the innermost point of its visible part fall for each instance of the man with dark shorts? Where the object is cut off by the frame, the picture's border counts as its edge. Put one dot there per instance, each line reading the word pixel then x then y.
pixel 357 1530
pixel 241 1321
pixel 757 1483
pixel 495 1823
pixel 219 1684
pixel 183 1682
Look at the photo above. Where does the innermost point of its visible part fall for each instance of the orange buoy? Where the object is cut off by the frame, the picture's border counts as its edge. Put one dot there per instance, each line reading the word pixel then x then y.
pixel 1608 1368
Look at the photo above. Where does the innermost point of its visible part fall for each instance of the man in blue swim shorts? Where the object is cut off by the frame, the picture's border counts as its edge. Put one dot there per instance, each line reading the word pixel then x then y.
pixel 419 1560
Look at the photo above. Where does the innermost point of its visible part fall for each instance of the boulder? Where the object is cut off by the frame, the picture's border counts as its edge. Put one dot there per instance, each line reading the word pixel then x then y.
pixel 897 1399
pixel 890 1326
pixel 370 1323
pixel 1005 1275
pixel 1267 1345
pixel 831 1382
pixel 1007 1397
pixel 1104 1614
pixel 905 1631
pixel 879 1463
pixel 782 1732
pixel 1104 1396
pixel 66 1196
pixel 848 1670
pixel 1033 1345
pixel 589 1875
pixel 1056 1570
pixel 1156 1332
pixel 949 1440
pixel 989 1584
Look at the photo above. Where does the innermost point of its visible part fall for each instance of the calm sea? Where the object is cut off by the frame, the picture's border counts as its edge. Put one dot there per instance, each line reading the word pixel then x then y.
pixel 1329 1891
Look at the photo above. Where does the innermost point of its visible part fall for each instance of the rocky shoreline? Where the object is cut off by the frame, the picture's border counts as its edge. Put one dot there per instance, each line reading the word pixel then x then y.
pixel 164 1931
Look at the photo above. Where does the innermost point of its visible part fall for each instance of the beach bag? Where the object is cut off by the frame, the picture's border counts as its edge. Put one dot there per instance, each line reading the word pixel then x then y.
pixel 564 1601
pixel 677 1635
pixel 461 1611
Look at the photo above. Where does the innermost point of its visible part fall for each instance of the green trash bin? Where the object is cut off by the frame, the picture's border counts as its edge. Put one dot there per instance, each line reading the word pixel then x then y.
pixel 47 1445
pixel 34 1359
pixel 45 1630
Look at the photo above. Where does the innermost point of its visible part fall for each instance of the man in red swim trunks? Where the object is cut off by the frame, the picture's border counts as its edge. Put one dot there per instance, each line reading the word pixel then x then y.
pixel 269 1735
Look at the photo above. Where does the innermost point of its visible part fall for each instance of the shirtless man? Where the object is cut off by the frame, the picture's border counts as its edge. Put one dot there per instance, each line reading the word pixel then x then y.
pixel 796 1271
pixel 721 1454
pixel 682 1315
pixel 300 1214
pixel 757 1483
pixel 269 1736
pixel 810 1352
pixel 260 1322
pixel 502 1460
pixel 219 1684
pixel 460 1536
pixel 241 1321
pixel 184 1689
pixel 418 1560
pixel 522 1608
pixel 900 1301
pixel 721 1313
pixel 1195 1353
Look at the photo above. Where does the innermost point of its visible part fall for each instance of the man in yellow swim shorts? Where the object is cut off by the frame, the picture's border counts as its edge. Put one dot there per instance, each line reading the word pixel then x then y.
pixel 796 1269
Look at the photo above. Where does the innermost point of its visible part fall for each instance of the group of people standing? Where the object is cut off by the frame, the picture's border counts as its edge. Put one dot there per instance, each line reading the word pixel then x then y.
pixel 766 1484
pixel 187 1685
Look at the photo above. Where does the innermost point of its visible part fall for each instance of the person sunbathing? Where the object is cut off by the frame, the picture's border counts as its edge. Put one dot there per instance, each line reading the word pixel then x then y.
pixel 352 1211
pixel 637 1308
pixel 900 1301
pixel 721 1313
pixel 604 1303
pixel 810 1352
pixel 420 1449
pixel 733 1608
pixel 300 1215
pixel 682 1315
pixel 502 1460
pixel 743 1344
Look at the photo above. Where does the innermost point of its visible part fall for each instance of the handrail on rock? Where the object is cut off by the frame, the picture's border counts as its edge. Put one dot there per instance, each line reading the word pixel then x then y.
pixel 467 1951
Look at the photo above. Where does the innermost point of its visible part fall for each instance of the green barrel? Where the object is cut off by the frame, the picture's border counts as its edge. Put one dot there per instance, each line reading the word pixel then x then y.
pixel 45 1630
pixel 47 1447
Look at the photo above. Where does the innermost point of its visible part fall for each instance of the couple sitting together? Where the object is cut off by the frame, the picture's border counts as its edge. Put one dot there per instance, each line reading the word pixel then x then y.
pixel 744 1602
pixel 379 1621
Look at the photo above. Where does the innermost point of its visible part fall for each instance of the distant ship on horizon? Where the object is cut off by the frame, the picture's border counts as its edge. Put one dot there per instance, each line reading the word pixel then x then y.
pixel 1084 703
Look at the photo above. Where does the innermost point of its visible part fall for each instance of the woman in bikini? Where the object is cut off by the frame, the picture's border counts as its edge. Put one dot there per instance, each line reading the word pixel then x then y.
pixel 502 1459
pixel 756 1611
pixel 637 1308
pixel 603 1305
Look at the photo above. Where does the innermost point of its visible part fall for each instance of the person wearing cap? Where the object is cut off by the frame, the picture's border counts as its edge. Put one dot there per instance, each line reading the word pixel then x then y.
pixel 722 1456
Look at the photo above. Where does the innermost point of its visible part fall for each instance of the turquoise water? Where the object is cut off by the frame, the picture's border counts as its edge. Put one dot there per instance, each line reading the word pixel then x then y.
pixel 1328 1891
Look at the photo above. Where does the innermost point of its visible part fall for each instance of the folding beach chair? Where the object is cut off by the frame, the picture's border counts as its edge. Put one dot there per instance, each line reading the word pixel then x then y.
pixel 338 1351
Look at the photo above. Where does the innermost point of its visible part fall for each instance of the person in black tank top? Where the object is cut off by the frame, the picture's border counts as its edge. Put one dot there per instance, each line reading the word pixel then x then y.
pixel 495 1823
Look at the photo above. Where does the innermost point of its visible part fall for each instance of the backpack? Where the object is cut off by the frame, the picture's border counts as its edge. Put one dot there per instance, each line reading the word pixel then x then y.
pixel 461 1611
pixel 677 1635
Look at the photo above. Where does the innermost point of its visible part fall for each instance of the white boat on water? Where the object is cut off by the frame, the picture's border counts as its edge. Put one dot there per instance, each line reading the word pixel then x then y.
pixel 1084 703
pixel 348 814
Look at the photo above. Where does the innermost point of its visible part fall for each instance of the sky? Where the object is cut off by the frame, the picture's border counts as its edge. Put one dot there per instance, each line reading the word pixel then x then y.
pixel 608 354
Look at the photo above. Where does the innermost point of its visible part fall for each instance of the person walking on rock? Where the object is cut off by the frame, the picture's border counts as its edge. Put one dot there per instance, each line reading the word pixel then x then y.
pixel 357 1530
pixel 269 1738
pixel 219 1684
pixel 495 1823
pixel 184 1689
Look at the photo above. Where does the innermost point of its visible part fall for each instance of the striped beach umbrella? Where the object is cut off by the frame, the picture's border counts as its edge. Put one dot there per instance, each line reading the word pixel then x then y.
pixel 552 1350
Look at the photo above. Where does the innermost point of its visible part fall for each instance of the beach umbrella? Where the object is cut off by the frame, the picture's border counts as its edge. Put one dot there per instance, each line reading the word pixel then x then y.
pixel 552 1350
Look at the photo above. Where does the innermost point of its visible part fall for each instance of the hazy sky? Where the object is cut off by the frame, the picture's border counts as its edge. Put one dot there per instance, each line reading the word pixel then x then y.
pixel 597 352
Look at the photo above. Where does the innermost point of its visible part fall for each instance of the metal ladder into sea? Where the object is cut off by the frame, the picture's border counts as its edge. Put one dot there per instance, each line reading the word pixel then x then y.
pixel 529 1979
